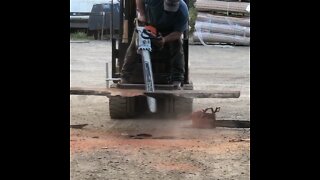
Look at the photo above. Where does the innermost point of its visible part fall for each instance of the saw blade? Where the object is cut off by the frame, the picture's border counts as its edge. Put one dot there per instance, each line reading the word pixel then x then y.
pixel 148 79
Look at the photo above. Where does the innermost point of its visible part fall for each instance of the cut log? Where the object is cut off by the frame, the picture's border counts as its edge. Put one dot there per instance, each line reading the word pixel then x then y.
pixel 195 93
pixel 106 91
pixel 136 92
pixel 210 5
pixel 223 29
pixel 213 38
pixel 206 17
pixel 232 123
pixel 89 91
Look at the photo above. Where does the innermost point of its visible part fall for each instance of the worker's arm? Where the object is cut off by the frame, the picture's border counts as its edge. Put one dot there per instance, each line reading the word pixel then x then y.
pixel 169 38
pixel 140 10
pixel 172 36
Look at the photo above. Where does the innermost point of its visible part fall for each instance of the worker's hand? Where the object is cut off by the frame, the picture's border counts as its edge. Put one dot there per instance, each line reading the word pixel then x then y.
pixel 159 42
pixel 142 19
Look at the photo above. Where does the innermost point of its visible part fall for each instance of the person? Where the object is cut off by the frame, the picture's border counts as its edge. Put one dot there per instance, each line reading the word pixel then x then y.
pixel 170 18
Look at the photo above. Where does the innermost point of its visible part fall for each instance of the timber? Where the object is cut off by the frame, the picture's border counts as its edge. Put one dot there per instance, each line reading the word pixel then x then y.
pixel 210 5
pixel 223 29
pixel 210 18
pixel 140 92
pixel 210 38
pixel 232 123
pixel 89 91
pixel 196 93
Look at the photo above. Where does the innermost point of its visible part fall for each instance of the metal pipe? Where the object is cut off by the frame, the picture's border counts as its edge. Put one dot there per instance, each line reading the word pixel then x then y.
pixel 113 58
pixel 103 16
pixel 111 26
pixel 121 27
pixel 107 75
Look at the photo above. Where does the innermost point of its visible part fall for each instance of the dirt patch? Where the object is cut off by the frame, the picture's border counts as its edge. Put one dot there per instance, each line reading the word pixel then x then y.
pixel 174 166
pixel 101 150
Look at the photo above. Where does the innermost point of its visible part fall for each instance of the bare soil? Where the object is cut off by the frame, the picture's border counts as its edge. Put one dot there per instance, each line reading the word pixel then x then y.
pixel 105 149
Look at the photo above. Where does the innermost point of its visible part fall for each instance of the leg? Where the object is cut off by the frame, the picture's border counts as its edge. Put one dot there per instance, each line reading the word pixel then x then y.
pixel 177 60
pixel 130 59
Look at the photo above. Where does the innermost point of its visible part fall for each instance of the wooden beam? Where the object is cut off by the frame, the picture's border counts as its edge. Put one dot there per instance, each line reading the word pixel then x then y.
pixel 137 92
pixel 89 91
pixel 232 123
pixel 195 93
pixel 210 38
pixel 106 91
pixel 210 18
pixel 211 5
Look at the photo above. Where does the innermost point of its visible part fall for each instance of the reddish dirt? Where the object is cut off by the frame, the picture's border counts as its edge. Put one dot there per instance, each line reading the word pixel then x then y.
pixel 102 151
pixel 85 141
pixel 112 153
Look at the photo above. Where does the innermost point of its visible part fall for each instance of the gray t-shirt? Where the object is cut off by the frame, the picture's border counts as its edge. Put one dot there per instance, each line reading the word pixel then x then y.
pixel 167 22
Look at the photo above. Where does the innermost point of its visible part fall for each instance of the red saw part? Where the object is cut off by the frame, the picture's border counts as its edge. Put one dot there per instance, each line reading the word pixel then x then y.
pixel 204 119
pixel 152 29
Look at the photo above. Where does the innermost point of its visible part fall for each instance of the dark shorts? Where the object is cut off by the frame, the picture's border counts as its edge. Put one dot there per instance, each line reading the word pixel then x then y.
pixel 172 52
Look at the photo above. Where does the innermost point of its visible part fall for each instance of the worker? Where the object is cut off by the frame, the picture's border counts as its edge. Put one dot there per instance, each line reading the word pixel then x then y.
pixel 170 18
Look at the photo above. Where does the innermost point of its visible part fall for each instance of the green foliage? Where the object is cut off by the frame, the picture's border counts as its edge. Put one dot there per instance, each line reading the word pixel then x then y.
pixel 191 3
pixel 192 15
pixel 79 35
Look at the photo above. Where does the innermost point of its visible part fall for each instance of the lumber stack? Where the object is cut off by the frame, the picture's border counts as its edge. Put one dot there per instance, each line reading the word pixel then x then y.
pixel 227 6
pixel 222 22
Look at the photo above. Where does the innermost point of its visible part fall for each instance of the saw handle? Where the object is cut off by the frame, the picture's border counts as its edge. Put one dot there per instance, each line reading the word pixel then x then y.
pixel 212 111
pixel 146 34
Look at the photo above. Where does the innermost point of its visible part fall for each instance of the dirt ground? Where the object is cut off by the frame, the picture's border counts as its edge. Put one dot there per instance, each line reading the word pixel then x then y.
pixel 104 148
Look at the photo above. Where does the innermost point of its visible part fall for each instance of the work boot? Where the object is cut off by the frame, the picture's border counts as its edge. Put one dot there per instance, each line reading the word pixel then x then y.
pixel 177 84
pixel 124 81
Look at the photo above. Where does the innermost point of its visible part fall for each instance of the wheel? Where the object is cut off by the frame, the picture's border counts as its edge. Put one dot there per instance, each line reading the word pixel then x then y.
pixel 183 106
pixel 176 106
pixel 121 107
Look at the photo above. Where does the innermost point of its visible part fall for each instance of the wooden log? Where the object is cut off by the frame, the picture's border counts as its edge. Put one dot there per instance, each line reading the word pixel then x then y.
pixel 206 17
pixel 137 92
pixel 79 41
pixel 211 5
pixel 106 91
pixel 213 38
pixel 232 123
pixel 89 91
pixel 195 93
pixel 222 28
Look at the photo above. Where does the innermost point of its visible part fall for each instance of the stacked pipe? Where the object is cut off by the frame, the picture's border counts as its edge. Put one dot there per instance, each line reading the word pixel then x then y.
pixel 222 22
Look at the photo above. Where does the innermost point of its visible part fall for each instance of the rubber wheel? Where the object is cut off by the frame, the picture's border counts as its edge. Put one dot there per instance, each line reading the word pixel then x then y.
pixel 183 106
pixel 177 106
pixel 121 107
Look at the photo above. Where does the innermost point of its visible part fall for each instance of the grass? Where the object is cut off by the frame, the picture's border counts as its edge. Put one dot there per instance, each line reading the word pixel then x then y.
pixel 192 18
pixel 192 15
pixel 80 36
